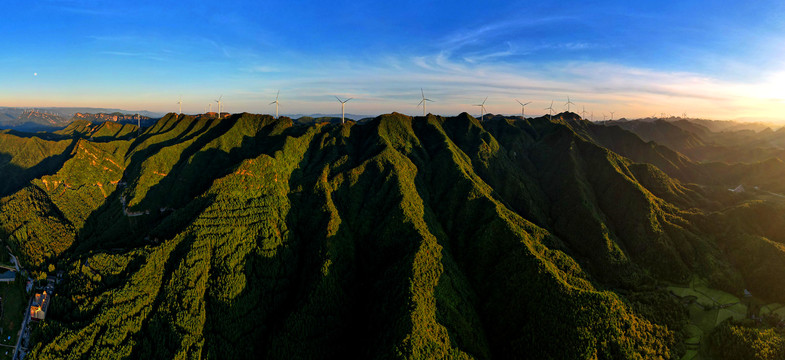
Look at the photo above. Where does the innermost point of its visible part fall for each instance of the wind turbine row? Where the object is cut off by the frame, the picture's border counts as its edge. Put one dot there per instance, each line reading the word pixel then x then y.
pixel 424 101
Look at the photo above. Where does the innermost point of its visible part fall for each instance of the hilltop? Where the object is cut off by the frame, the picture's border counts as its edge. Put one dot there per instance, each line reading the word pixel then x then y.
pixel 398 237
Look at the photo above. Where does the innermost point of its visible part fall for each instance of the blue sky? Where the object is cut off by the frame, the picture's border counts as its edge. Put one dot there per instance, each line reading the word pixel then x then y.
pixel 719 59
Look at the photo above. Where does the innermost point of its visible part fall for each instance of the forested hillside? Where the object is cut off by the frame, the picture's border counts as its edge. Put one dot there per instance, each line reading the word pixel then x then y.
pixel 402 237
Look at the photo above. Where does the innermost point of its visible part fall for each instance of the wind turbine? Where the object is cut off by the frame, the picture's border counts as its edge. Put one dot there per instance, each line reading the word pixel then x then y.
pixel 276 103
pixel 522 107
pixel 210 106
pixel 583 113
pixel 568 103
pixel 592 116
pixel 343 102
pixel 611 115
pixel 219 105
pixel 180 102
pixel 482 109
pixel 604 117
pixel 423 102
pixel 550 110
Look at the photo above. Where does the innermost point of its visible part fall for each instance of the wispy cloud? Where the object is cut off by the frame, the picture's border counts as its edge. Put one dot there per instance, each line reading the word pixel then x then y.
pixel 149 56
pixel 478 57
pixel 263 69
pixel 464 37
pixel 598 86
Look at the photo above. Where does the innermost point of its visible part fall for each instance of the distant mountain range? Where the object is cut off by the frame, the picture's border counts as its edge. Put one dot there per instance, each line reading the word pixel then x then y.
pixel 711 140
pixel 53 118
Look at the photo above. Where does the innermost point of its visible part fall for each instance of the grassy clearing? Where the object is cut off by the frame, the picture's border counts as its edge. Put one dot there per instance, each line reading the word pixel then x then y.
pixel 739 309
pixel 780 312
pixel 719 297
pixel 707 311
pixel 724 314
pixel 14 303
pixel 770 308
pixel 684 292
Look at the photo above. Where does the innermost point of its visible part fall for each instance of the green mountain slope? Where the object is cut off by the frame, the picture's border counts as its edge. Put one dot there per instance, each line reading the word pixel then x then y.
pixel 764 173
pixel 426 237
pixel 695 140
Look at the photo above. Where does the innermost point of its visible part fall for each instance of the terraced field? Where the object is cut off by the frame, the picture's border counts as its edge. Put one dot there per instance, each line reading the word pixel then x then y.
pixel 707 308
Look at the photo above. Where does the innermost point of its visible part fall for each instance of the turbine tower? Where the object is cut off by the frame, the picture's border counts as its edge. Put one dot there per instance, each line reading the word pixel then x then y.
pixel 180 102
pixel 343 102
pixel 219 105
pixel 276 103
pixel 550 110
pixel 568 103
pixel 482 109
pixel 611 115
pixel 604 117
pixel 592 116
pixel 583 113
pixel 210 106
pixel 423 102
pixel 522 107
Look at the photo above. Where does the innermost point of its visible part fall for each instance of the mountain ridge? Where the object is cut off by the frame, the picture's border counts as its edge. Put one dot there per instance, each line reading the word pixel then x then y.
pixel 416 236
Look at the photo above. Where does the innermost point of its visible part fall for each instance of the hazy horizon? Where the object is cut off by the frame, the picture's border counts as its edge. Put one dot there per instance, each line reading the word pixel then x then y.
pixel 356 116
pixel 640 59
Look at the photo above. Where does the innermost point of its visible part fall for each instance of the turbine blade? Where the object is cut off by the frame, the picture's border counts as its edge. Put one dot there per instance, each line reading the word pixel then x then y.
pixel 347 100
pixel 421 101
pixel 339 99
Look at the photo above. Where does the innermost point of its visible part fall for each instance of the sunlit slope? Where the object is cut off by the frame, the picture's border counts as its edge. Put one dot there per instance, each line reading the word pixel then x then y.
pixel 88 174
pixel 426 237
pixel 23 158
pixel 105 131
pixel 400 238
